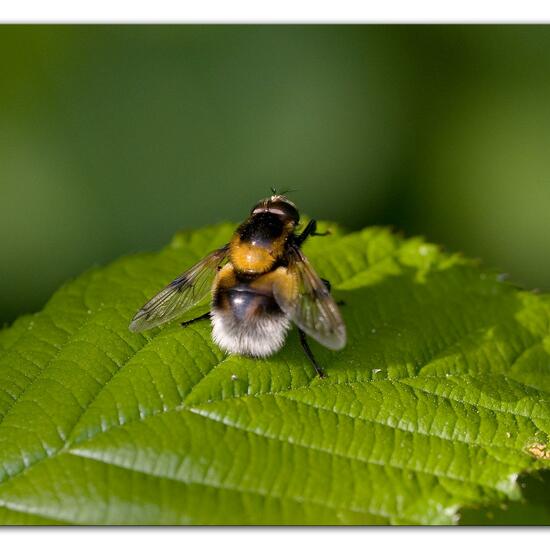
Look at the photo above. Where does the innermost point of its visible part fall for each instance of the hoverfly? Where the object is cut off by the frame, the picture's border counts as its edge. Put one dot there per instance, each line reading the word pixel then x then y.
pixel 260 283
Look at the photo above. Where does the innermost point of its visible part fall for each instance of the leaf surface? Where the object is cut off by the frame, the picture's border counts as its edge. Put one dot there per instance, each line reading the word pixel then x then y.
pixel 438 402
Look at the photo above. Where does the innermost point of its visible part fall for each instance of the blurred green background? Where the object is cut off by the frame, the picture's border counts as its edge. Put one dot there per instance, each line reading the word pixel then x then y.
pixel 114 137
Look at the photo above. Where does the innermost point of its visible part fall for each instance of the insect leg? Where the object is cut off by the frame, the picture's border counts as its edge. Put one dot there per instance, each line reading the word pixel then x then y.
pixel 311 229
pixel 204 316
pixel 309 354
pixel 326 282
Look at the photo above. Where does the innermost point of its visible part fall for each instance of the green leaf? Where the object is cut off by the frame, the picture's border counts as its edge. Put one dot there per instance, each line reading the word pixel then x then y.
pixel 532 509
pixel 439 401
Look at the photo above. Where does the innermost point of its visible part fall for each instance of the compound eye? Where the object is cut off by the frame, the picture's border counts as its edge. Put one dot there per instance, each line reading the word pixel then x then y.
pixel 294 214
pixel 278 205
pixel 286 209
pixel 259 207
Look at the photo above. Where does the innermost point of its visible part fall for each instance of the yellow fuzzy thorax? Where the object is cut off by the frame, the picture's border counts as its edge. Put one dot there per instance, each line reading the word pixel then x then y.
pixel 251 259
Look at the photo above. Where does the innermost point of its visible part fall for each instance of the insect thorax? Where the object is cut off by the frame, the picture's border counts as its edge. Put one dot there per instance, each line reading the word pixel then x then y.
pixel 259 243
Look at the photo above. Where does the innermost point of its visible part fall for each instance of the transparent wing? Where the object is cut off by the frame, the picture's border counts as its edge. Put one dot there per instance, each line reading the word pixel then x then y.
pixel 307 301
pixel 181 294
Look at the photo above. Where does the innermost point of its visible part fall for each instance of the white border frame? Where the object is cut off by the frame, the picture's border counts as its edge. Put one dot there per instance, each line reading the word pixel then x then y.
pixel 275 11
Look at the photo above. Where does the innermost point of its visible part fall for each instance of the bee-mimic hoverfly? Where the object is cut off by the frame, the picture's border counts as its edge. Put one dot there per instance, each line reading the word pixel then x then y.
pixel 260 282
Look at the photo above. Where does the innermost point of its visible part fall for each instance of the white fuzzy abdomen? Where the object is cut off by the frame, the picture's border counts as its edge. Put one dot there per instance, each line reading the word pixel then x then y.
pixel 259 336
